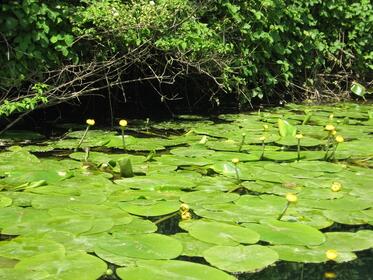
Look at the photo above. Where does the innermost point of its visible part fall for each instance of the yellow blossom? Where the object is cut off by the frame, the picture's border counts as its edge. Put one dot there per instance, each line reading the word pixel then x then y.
pixel 235 161
pixel 334 132
pixel 186 216
pixel 330 275
pixel 339 139
pixel 265 126
pixel 184 207
pixel 263 138
pixel 90 122
pixel 336 186
pixel 329 127
pixel 331 254
pixel 299 136
pixel 291 198
pixel 123 123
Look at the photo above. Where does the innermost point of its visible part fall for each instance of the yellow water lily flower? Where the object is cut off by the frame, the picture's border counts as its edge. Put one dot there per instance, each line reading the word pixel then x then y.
pixel 336 186
pixel 329 127
pixel 331 254
pixel 339 139
pixel 123 123
pixel 90 122
pixel 330 275
pixel 235 161
pixel 299 136
pixel 291 198
pixel 184 207
pixel 263 138
pixel 186 216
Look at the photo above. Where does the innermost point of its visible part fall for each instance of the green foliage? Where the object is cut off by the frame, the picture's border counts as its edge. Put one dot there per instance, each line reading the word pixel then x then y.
pixel 34 36
pixel 25 103
pixel 252 48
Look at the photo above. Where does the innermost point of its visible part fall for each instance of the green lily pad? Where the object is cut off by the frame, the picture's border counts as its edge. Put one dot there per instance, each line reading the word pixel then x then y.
pixel 347 217
pixel 160 270
pixel 136 226
pixel 241 258
pixel 24 274
pixel 66 267
pixel 308 255
pixel 287 233
pixel 345 242
pixel 150 246
pixel 222 234
pixel 23 247
pixel 208 197
pixel 192 247
pixel 150 208
pixel 5 201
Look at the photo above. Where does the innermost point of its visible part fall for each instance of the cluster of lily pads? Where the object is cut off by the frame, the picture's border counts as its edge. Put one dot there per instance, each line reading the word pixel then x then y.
pixel 246 191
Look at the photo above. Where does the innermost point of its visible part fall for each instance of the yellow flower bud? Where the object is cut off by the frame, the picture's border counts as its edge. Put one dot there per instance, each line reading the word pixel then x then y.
pixel 263 138
pixel 123 123
pixel 299 136
pixel 184 207
pixel 90 122
pixel 334 132
pixel 331 116
pixel 292 198
pixel 331 254
pixel 339 139
pixel 235 161
pixel 186 216
pixel 330 275
pixel 329 127
pixel 336 187
pixel 265 126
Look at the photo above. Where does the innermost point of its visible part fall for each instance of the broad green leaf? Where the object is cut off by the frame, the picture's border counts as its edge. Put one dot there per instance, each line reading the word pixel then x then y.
pixel 240 258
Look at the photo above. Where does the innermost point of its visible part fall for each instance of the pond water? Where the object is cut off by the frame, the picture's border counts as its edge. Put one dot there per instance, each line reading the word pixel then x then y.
pixel 279 194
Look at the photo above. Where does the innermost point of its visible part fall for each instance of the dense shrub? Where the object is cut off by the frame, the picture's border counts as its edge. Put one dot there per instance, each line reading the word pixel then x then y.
pixel 248 48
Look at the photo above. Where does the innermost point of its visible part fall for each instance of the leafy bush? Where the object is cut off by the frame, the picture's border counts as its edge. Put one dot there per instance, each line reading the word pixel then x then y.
pixel 251 48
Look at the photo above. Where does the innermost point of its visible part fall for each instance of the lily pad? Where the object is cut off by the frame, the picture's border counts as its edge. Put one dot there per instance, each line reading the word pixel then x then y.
pixel 309 255
pixel 222 234
pixel 66 267
pixel 160 270
pixel 287 233
pixel 150 208
pixel 241 258
pixel 150 246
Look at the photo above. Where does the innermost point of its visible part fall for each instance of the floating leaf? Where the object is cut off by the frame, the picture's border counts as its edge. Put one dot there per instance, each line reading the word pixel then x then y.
pixel 240 258
pixel 143 246
pixel 278 232
pixel 308 255
pixel 66 267
pixel 160 270
pixel 222 234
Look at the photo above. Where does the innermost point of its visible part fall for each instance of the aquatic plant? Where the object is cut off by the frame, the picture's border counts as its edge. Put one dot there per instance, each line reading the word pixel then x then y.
pixel 299 136
pixel 262 139
pixel 89 122
pixel 122 125
pixel 243 135
pixel 235 162
pixel 291 199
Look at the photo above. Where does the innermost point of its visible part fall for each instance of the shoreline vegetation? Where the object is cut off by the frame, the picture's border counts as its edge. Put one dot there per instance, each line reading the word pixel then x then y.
pixel 181 52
